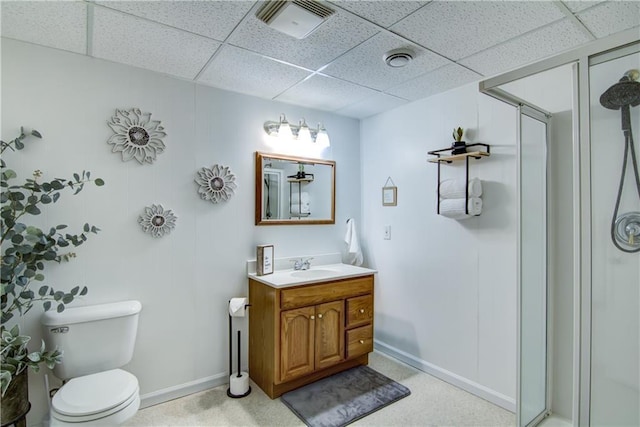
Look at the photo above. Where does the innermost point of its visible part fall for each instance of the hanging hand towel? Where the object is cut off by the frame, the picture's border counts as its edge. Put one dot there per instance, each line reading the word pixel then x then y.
pixel 454 208
pixel 354 253
pixel 454 189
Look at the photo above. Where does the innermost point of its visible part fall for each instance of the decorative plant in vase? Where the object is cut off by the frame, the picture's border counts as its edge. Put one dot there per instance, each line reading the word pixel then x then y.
pixel 26 250
pixel 458 145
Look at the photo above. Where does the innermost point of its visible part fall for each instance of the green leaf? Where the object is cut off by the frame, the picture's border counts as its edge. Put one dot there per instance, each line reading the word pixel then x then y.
pixel 86 228
pixel 60 308
pixel 46 305
pixel 17 239
pixel 45 198
pixel 9 173
pixel 36 133
pixel 39 277
pixel 43 290
pixel 84 291
pixel 61 227
pixel 99 182
pixel 56 196
pixel 76 177
pixel 57 185
pixel 75 290
pixel 67 298
pixel 32 209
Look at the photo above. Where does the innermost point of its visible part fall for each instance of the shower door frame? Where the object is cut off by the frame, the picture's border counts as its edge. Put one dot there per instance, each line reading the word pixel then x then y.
pixel 582 284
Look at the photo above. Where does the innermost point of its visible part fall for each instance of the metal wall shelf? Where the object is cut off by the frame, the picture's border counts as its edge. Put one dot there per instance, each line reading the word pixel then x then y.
pixel 439 159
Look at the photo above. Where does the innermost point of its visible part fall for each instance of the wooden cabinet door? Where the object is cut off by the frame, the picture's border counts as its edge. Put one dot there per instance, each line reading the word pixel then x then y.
pixel 329 334
pixel 297 338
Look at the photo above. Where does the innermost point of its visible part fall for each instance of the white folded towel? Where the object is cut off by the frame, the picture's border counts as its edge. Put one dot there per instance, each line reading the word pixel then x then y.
pixel 303 196
pixel 454 189
pixel 454 208
pixel 354 253
pixel 302 208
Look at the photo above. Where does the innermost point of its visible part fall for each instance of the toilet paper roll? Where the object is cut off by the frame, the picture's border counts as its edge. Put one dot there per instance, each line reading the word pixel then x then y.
pixel 237 307
pixel 239 385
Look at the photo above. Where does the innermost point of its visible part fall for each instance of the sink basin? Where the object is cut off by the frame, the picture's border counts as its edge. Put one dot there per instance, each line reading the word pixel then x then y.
pixel 313 273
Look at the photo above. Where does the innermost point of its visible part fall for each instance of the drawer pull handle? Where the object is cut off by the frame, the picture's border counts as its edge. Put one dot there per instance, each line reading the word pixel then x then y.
pixel 362 310
pixel 361 341
pixel 319 316
pixel 313 317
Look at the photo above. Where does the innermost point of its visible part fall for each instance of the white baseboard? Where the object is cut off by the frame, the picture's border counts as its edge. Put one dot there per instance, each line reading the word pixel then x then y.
pixel 181 390
pixel 479 390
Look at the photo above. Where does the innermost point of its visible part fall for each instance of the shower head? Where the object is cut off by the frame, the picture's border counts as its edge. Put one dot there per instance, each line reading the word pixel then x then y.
pixel 625 92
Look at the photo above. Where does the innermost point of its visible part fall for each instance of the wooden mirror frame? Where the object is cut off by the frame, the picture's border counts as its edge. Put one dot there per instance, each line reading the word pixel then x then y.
pixel 259 165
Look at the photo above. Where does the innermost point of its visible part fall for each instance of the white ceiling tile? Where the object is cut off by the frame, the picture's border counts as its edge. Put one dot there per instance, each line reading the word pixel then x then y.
pixel 341 32
pixel 552 39
pixel 134 41
pixel 325 93
pixel 215 19
pixel 365 65
pixel 578 5
pixel 457 29
pixel 440 80
pixel 236 69
pixel 62 25
pixel 384 13
pixel 611 17
pixel 375 104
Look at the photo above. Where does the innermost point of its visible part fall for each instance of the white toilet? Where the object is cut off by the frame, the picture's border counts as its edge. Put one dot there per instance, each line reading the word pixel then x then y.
pixel 96 340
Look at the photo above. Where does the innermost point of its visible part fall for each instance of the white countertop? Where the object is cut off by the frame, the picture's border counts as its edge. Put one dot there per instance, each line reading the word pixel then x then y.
pixel 315 274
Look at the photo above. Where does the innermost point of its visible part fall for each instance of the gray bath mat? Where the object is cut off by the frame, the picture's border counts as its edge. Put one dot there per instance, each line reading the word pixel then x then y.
pixel 343 398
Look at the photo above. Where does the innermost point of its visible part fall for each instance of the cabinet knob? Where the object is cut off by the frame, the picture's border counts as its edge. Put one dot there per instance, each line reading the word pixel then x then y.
pixel 319 316
pixel 313 317
pixel 362 310
pixel 361 341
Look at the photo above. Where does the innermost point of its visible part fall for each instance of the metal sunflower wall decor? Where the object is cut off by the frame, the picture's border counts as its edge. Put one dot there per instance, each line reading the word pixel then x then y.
pixel 136 136
pixel 157 221
pixel 216 184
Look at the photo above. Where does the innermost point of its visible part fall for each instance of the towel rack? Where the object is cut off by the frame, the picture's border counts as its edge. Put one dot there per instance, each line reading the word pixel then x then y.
pixel 439 159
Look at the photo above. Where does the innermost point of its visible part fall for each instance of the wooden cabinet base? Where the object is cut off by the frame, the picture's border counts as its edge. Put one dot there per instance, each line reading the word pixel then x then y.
pixel 276 390
pixel 301 334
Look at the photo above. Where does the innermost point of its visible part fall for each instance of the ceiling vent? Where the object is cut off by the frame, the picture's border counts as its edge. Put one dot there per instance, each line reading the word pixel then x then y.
pixel 398 57
pixel 297 18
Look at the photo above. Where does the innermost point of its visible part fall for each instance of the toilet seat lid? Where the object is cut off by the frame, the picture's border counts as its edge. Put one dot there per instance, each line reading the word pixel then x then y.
pixel 95 393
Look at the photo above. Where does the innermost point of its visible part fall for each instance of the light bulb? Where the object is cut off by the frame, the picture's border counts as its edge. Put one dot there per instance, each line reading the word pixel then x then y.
pixel 322 138
pixel 284 130
pixel 304 134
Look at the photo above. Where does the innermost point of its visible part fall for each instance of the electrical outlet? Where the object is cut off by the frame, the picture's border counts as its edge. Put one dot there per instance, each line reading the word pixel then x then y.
pixel 387 232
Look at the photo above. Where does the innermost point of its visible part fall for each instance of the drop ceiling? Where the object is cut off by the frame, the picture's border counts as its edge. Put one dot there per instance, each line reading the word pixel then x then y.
pixel 337 68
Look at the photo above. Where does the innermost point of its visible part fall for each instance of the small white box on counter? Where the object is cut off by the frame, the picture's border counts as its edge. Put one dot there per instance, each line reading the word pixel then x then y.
pixel 264 258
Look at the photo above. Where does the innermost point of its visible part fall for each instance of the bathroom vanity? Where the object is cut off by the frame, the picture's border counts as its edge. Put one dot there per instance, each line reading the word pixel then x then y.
pixel 309 324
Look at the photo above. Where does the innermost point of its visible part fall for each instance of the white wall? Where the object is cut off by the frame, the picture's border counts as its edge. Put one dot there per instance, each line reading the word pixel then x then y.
pixel 185 279
pixel 446 289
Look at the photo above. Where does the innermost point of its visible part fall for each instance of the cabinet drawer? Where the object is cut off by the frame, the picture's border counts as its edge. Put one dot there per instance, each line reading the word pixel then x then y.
pixel 359 310
pixel 315 294
pixel 359 341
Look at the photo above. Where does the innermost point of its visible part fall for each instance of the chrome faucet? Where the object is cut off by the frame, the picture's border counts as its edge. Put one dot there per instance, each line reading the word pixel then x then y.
pixel 302 264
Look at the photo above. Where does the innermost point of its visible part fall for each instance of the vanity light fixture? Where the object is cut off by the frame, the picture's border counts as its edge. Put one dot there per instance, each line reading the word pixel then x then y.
pixel 301 132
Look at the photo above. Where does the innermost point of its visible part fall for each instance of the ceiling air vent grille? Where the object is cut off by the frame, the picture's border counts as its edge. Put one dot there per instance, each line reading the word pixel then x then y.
pixel 297 18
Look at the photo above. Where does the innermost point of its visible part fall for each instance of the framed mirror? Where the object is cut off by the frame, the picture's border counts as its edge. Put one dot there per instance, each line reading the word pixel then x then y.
pixel 294 190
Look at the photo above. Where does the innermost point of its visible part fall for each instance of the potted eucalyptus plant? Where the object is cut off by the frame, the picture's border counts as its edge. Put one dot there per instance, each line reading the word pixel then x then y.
pixel 26 250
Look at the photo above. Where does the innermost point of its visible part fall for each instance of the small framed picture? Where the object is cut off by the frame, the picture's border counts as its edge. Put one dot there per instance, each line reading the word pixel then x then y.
pixel 264 258
pixel 389 196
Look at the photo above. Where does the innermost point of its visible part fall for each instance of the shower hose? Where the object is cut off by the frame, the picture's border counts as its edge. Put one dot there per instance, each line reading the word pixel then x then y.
pixel 628 137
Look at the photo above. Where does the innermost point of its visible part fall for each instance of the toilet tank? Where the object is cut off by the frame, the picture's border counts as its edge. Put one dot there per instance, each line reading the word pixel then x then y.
pixel 93 338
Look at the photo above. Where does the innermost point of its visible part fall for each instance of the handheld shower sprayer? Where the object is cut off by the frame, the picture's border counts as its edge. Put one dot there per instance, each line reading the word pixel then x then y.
pixel 625 230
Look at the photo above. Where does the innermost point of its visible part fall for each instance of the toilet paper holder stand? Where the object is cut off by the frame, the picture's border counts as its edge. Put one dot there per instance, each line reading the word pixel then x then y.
pixel 239 374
